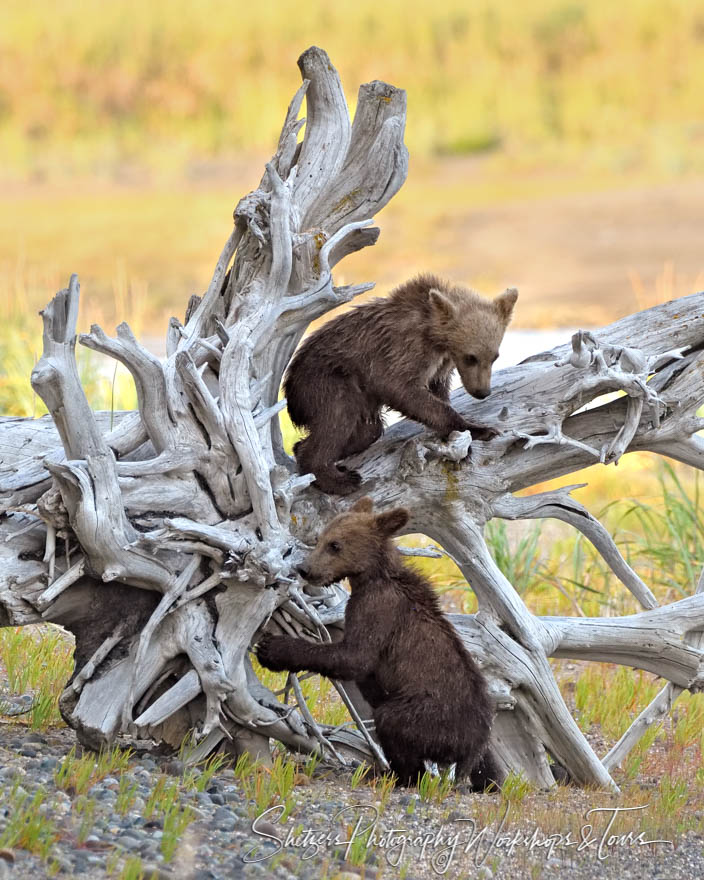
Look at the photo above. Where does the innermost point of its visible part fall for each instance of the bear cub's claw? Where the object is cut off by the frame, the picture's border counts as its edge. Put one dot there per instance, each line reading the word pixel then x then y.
pixel 483 433
pixel 345 482
pixel 270 652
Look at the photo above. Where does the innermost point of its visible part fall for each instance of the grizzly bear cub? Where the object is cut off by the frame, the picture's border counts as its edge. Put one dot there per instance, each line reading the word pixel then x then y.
pixel 429 698
pixel 398 351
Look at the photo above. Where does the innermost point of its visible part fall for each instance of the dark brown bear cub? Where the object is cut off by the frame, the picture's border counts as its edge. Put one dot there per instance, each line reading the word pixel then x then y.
pixel 399 352
pixel 428 696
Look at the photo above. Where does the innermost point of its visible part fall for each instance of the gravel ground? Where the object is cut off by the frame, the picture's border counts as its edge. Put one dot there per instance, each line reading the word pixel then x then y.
pixel 216 843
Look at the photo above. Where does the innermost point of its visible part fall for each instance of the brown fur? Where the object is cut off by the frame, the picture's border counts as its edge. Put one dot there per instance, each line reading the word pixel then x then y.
pixel 428 696
pixel 398 352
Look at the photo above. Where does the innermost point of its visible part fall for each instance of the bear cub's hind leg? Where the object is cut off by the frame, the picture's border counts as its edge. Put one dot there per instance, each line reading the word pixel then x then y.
pixel 344 425
pixel 316 454
pixel 366 431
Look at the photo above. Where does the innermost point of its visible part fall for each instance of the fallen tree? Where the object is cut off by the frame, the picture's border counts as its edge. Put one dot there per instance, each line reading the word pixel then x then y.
pixel 166 543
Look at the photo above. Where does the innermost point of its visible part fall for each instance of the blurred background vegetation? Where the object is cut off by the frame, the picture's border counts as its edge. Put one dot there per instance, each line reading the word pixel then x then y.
pixel 556 144
pixel 170 83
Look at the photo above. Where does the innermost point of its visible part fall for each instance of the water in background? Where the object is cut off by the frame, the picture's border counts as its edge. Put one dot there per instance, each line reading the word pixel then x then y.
pixel 520 344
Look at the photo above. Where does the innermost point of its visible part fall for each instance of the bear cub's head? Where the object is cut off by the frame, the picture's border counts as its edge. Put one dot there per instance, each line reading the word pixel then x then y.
pixel 352 543
pixel 471 328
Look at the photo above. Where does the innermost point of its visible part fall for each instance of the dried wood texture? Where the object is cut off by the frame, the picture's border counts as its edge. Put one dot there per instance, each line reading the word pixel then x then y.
pixel 168 542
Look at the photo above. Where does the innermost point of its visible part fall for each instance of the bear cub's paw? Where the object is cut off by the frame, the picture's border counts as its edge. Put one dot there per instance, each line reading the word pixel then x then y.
pixel 345 482
pixel 272 652
pixel 483 433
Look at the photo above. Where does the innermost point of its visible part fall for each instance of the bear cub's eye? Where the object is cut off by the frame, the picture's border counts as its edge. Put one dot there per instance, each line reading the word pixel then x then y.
pixel 334 547
pixel 470 360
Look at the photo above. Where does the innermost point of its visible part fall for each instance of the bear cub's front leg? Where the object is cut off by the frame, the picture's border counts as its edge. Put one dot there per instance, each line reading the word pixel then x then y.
pixel 339 660
pixel 280 653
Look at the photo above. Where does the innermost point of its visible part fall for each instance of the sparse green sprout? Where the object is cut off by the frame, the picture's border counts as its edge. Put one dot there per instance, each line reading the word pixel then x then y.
pixel 266 786
pixel 77 775
pixel 126 794
pixel 515 788
pixel 243 766
pixel 310 765
pixel 361 770
pixel 690 721
pixel 85 808
pixel 133 869
pixel 435 786
pixel 520 558
pixel 28 825
pixel 37 660
pixel 176 820
pixel 200 775
pixel 162 798
pixel 382 786
pixel 634 761
pixel 612 699
pixel 673 794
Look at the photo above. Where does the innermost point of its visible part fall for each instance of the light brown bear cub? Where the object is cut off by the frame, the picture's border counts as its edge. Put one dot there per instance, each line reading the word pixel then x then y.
pixel 428 696
pixel 398 351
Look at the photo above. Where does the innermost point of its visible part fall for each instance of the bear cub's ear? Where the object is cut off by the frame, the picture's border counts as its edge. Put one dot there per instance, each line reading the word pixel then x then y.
pixel 390 522
pixel 364 505
pixel 505 302
pixel 442 306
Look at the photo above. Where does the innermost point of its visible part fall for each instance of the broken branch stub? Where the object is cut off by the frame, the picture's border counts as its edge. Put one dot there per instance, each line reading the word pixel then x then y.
pixel 166 542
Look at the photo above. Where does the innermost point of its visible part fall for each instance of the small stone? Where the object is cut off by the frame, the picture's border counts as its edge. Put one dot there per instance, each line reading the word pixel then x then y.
pixel 174 767
pixel 217 798
pixel 268 828
pixel 28 752
pixel 80 862
pixel 34 737
pixel 65 865
pixel 151 869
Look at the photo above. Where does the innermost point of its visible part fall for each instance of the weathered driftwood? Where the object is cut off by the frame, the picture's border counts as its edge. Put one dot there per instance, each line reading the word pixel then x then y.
pixel 166 543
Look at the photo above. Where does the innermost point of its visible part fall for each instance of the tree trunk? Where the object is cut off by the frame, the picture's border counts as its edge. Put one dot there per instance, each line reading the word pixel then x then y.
pixel 168 542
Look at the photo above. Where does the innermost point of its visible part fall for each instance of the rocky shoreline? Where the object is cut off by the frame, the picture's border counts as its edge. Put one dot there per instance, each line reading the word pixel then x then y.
pixel 103 834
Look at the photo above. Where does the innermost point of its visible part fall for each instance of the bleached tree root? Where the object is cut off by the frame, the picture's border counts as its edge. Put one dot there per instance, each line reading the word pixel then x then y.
pixel 169 541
